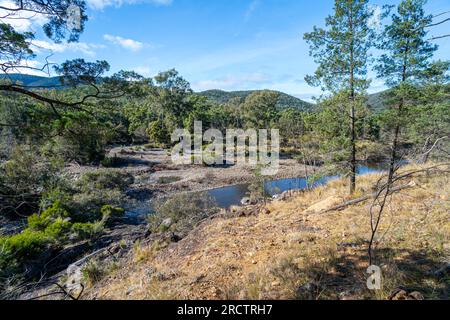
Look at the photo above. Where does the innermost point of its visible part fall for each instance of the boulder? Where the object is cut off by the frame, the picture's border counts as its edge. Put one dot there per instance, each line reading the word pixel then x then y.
pixel 167 222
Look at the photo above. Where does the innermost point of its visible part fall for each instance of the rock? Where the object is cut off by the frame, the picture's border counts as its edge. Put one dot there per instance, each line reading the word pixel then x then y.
pixel 254 262
pixel 246 201
pixel 167 222
pixel 416 295
pixel 324 204
pixel 402 294
pixel 265 211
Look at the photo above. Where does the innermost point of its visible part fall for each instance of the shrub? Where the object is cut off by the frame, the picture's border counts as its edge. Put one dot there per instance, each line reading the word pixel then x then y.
pixel 105 179
pixel 58 229
pixel 40 222
pixel 111 214
pixel 20 248
pixel 87 230
pixel 24 177
pixel 184 211
pixel 92 272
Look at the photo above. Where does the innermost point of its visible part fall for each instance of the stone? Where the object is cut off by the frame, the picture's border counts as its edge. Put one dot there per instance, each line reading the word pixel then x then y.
pixel 416 295
pixel 265 211
pixel 167 222
pixel 246 201
pixel 399 294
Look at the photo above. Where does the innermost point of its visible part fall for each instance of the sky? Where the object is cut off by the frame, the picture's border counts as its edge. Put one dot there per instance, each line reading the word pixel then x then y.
pixel 214 44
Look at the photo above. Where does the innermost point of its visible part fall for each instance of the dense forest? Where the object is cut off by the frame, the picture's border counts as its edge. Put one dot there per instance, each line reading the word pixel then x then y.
pixel 77 116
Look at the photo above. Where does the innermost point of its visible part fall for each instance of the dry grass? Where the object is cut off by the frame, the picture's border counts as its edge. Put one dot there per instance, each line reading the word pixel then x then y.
pixel 295 253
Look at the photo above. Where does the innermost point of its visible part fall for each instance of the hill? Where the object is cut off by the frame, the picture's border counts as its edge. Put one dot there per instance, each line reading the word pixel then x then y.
pixel 33 81
pixel 284 100
pixel 376 102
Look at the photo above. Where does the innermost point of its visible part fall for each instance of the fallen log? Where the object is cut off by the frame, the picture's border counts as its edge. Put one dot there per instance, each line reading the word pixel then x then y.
pixel 365 198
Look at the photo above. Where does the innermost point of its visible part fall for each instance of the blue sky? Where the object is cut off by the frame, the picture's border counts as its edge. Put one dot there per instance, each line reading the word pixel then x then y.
pixel 222 44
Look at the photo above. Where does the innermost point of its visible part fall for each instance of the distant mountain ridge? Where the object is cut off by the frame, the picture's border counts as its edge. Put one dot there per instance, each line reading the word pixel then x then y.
pixel 33 81
pixel 284 100
pixel 219 96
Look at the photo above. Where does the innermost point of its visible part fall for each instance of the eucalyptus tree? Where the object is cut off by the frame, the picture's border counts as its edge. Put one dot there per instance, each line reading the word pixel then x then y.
pixel 65 21
pixel 341 50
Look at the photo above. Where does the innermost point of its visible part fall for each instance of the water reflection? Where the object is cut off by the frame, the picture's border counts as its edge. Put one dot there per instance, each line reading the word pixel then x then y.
pixel 232 195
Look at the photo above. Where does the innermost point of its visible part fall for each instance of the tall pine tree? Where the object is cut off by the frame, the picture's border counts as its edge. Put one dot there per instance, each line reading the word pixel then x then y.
pixel 341 51
pixel 406 61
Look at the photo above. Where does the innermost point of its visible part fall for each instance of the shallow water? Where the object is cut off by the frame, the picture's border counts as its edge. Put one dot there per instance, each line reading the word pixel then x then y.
pixel 232 195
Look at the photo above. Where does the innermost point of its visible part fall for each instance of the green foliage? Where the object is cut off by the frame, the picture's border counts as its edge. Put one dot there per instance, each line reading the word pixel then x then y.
pixel 105 179
pixel 158 132
pixel 407 52
pixel 111 214
pixel 341 49
pixel 259 109
pixel 284 100
pixel 19 249
pixel 92 272
pixel 24 177
pixel 87 230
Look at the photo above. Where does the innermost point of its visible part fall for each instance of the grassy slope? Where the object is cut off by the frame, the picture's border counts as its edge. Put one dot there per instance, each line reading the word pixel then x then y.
pixel 271 256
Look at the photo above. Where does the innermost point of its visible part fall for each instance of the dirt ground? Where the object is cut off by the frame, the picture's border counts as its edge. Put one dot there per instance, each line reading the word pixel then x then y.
pixel 291 252
pixel 156 175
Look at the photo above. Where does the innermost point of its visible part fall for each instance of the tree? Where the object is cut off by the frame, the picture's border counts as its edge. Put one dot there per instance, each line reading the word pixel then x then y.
pixel 259 109
pixel 341 51
pixel 65 21
pixel 404 65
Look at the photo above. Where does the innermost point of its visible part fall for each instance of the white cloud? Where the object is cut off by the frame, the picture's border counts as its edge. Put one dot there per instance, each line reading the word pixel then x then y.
pixel 21 21
pixel 86 48
pixel 100 4
pixel 129 44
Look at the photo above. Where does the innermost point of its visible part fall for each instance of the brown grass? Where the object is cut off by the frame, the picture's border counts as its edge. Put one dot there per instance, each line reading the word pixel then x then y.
pixel 295 253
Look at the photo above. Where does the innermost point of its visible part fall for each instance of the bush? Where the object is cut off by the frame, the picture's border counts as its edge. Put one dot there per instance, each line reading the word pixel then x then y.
pixel 92 272
pixel 23 178
pixel 87 230
pixel 111 214
pixel 105 179
pixel 183 210
pixel 19 249
pixel 40 222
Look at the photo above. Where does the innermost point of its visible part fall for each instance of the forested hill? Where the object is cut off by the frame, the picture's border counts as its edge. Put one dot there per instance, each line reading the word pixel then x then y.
pixel 284 100
pixel 33 81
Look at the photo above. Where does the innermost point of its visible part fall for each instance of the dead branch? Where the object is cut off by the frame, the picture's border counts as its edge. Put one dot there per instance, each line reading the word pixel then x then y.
pixel 365 198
